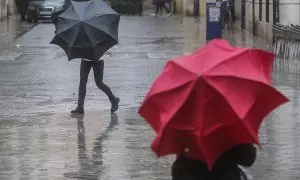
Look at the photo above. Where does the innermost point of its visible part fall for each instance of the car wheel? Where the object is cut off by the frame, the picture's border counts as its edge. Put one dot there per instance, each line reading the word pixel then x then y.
pixel 29 19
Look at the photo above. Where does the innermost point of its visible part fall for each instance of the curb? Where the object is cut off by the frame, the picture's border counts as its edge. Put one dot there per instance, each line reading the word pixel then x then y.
pixel 20 33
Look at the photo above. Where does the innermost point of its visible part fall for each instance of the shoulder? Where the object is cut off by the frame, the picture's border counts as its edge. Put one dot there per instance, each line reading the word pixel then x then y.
pixel 187 168
pixel 244 154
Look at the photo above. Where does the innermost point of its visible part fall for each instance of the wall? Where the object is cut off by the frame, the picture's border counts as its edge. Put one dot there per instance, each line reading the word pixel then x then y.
pixel 289 12
pixel 179 8
pixel 3 8
pixel 186 7
pixel 7 8
pixel 147 4
pixel 262 28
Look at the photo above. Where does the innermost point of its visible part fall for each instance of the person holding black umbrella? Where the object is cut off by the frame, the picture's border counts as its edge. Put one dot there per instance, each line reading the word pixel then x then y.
pixel 159 5
pixel 90 33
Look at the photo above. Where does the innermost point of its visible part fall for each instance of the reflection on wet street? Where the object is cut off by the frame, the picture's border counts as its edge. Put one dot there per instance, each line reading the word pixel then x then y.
pixel 40 140
pixel 94 146
pixel 10 30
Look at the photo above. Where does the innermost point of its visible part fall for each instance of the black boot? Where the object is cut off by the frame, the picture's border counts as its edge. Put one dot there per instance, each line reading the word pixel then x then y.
pixel 78 110
pixel 115 105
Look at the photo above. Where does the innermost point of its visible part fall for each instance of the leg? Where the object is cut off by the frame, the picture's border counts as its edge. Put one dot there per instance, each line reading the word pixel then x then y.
pixel 166 8
pixel 170 5
pixel 157 7
pixel 85 68
pixel 98 68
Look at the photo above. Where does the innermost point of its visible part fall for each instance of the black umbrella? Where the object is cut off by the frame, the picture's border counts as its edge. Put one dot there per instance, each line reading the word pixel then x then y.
pixel 87 29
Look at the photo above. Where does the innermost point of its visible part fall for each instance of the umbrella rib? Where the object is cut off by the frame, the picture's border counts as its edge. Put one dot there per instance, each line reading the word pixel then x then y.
pixel 228 58
pixel 167 123
pixel 201 149
pixel 90 39
pixel 69 18
pixel 229 103
pixel 97 28
pixel 176 64
pixel 75 37
pixel 170 90
pixel 235 77
pixel 88 7
pixel 64 30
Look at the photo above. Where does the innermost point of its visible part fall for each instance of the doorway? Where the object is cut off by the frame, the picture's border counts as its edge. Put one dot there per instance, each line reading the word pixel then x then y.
pixel 243 14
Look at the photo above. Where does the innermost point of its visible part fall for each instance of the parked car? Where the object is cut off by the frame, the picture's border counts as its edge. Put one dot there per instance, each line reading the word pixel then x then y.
pixel 22 6
pixel 42 9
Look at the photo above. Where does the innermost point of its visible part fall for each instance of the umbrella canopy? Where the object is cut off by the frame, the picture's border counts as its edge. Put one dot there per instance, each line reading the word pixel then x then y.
pixel 207 102
pixel 87 29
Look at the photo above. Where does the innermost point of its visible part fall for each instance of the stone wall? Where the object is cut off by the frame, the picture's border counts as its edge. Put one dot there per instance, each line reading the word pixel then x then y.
pixel 289 12
pixel 7 8
pixel 186 7
pixel 148 4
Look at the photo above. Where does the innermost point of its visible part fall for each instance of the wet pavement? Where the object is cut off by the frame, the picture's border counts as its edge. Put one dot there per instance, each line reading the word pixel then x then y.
pixel 38 88
pixel 10 30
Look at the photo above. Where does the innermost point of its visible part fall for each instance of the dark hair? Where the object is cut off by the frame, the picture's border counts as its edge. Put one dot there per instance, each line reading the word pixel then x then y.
pixel 226 167
pixel 185 168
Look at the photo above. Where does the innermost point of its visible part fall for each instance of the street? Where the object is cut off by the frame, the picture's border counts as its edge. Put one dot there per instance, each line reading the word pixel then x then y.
pixel 38 88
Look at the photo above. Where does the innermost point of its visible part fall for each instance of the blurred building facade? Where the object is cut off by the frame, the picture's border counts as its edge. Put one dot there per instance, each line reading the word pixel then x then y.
pixel 256 16
pixel 260 15
pixel 7 8
pixel 189 7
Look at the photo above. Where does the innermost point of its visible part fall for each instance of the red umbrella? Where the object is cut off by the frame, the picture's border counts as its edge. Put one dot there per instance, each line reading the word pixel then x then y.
pixel 211 100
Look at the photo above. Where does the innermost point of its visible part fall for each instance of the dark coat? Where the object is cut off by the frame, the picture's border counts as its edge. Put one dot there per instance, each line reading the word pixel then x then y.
pixel 226 167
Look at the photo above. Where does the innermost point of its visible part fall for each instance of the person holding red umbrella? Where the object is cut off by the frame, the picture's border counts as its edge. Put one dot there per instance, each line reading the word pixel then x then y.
pixel 181 108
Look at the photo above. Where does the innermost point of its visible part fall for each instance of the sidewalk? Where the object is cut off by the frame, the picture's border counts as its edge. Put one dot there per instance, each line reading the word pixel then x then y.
pixel 10 29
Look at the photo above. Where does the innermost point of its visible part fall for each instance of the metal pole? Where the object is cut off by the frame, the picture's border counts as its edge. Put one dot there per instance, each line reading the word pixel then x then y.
pixel 196 7
pixel 253 16
pixel 276 11
pixel 243 13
